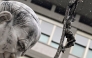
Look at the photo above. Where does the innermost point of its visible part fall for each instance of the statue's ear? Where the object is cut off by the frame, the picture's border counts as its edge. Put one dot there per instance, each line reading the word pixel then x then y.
pixel 5 16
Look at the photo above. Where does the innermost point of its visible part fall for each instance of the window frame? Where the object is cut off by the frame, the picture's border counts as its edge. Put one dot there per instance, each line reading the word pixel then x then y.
pixel 88 43
pixel 45 35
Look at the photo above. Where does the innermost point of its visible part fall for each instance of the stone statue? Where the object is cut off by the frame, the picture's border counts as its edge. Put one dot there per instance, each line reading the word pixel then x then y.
pixel 19 29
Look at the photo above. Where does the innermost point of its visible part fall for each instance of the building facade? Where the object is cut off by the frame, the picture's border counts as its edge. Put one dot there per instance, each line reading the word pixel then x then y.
pixel 51 25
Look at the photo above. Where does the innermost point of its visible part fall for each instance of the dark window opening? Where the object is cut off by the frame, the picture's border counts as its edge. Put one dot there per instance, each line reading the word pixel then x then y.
pixel 60 10
pixel 43 3
pixel 86 20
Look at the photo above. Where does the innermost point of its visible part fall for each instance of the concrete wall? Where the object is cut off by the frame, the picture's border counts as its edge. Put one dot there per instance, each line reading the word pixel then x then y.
pixel 41 50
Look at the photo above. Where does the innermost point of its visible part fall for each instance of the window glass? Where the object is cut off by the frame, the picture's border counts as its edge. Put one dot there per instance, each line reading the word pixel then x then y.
pixel 55 45
pixel 44 38
pixel 85 20
pixel 78 50
pixel 46 27
pixel 71 56
pixel 43 3
pixel 90 45
pixel 60 10
pixel 57 34
pixel 89 55
pixel 81 39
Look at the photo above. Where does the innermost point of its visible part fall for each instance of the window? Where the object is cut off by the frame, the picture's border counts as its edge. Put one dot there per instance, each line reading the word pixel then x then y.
pixel 56 37
pixel 78 50
pixel 44 38
pixel 54 44
pixel 46 27
pixel 71 56
pixel 43 3
pixel 60 10
pixel 81 40
pixel 86 20
pixel 90 45
pixel 57 34
pixel 89 55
